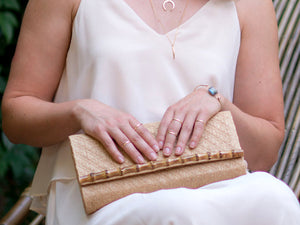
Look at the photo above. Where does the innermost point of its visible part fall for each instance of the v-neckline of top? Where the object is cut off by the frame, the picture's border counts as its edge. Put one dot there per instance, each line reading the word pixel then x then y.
pixel 147 26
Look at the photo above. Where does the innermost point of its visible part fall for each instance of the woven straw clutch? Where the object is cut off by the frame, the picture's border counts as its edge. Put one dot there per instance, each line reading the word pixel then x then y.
pixel 102 181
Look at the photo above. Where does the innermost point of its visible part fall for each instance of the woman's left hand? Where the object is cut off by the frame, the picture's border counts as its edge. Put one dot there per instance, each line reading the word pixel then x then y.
pixel 186 120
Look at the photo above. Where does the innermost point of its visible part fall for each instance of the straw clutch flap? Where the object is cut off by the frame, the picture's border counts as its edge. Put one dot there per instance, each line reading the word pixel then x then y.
pixel 102 181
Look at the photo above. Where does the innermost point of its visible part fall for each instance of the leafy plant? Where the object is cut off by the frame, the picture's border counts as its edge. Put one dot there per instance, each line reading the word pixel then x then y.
pixel 8 20
pixel 20 159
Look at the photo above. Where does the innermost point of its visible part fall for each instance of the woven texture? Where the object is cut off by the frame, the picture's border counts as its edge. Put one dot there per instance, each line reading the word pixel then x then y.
pixel 217 157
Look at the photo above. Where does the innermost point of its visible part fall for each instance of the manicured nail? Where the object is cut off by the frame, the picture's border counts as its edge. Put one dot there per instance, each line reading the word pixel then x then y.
pixel 120 159
pixel 156 148
pixel 153 156
pixel 192 144
pixel 160 144
pixel 140 159
pixel 178 150
pixel 167 151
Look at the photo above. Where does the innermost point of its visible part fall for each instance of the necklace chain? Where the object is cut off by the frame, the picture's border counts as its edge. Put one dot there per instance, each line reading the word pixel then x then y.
pixel 163 27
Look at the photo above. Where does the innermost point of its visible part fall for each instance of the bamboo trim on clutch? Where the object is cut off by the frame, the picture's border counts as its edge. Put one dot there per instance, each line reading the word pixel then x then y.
pixel 107 175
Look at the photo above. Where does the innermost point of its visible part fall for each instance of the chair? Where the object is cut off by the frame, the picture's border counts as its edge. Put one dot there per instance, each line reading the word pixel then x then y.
pixel 287 167
pixel 20 210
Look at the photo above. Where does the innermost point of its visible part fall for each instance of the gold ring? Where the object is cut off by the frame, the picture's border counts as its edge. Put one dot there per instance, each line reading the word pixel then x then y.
pixel 137 126
pixel 178 120
pixel 200 121
pixel 126 143
pixel 173 133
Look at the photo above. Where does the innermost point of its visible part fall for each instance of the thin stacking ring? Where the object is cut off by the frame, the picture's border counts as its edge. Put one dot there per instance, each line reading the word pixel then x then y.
pixel 137 126
pixel 200 121
pixel 178 120
pixel 173 133
pixel 126 143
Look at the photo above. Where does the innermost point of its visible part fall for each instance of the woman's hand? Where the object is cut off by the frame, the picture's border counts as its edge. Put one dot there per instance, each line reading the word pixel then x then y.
pixel 186 120
pixel 111 126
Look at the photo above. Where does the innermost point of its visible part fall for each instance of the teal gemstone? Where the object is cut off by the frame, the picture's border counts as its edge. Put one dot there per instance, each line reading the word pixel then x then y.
pixel 212 91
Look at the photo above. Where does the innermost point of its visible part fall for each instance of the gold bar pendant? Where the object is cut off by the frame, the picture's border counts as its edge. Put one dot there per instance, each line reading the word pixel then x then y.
pixel 173 51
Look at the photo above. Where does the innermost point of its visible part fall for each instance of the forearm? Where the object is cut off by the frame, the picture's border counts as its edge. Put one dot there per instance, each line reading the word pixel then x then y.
pixel 35 122
pixel 42 123
pixel 259 137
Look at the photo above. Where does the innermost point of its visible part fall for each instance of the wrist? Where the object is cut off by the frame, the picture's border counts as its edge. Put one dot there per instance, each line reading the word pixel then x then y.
pixel 212 91
pixel 77 112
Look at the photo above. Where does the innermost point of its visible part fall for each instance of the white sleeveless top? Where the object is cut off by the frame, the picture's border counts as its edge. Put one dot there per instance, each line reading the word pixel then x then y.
pixel 116 58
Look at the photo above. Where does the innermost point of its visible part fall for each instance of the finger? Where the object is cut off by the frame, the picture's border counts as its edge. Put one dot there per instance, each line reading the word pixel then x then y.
pixel 140 144
pixel 198 131
pixel 185 133
pixel 145 134
pixel 163 127
pixel 110 146
pixel 172 133
pixel 124 142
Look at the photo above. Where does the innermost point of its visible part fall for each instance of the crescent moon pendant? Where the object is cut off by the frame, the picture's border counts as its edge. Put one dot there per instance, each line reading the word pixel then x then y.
pixel 166 2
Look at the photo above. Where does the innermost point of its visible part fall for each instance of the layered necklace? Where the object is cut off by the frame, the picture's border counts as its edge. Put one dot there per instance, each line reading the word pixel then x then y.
pixel 169 5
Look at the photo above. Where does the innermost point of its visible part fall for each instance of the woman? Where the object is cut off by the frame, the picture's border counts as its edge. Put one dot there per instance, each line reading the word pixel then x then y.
pixel 107 66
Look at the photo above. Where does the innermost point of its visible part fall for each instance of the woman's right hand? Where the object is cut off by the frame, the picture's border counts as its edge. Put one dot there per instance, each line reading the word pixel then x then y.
pixel 111 126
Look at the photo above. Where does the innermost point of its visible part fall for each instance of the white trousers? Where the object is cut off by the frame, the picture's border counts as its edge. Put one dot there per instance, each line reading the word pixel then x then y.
pixel 252 199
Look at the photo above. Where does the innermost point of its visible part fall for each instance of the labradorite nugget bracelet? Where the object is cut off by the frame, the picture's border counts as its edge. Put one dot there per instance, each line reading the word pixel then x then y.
pixel 211 90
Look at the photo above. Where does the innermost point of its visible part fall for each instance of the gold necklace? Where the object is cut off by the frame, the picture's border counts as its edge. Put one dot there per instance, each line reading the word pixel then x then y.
pixel 163 27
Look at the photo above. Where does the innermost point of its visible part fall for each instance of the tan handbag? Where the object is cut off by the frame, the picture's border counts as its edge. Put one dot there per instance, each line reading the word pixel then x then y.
pixel 102 181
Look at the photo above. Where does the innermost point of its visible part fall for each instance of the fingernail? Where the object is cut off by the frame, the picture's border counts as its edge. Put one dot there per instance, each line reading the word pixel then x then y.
pixel 160 144
pixel 167 151
pixel 156 148
pixel 192 144
pixel 178 150
pixel 153 156
pixel 120 159
pixel 140 159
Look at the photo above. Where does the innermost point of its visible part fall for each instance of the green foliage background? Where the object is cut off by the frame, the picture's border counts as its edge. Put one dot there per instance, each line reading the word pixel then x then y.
pixel 17 162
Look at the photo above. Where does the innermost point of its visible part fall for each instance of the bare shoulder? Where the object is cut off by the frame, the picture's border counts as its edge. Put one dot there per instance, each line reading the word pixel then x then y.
pixel 68 7
pixel 254 11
